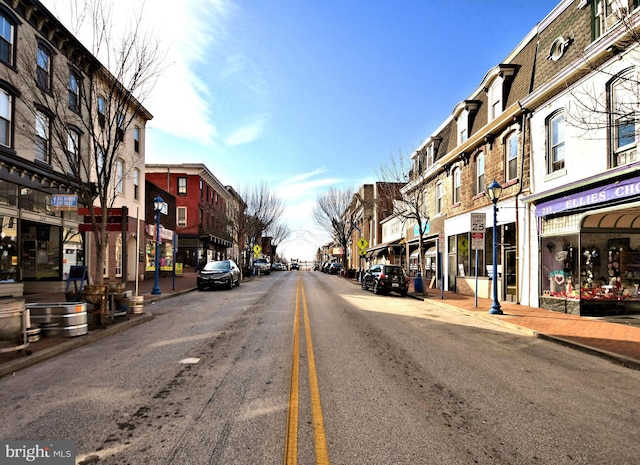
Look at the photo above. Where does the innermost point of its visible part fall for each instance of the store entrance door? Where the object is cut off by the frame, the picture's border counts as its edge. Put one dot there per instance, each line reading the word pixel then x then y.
pixel 510 275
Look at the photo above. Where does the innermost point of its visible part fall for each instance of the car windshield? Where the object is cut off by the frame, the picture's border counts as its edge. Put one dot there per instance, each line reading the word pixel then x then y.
pixel 217 266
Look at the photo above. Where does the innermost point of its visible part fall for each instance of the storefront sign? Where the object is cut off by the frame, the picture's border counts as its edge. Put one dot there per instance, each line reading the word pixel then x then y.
pixel 64 202
pixel 588 198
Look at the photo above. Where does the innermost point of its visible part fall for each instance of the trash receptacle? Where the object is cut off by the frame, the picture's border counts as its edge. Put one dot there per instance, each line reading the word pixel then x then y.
pixel 417 283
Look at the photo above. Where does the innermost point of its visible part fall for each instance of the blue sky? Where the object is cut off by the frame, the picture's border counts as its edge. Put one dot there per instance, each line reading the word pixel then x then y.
pixel 306 94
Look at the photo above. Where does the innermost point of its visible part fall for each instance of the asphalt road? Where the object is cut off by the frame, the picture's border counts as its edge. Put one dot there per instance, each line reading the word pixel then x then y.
pixel 225 377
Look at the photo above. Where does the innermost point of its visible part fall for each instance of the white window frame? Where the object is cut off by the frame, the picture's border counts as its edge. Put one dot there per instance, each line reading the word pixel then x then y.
pixel 511 156
pixel 480 173
pixel 181 211
pixel 182 189
pixel 42 137
pixel 6 35
pixel 457 185
pixel 556 137
pixel 120 176
pixel 43 68
pixel 438 195
pixel 6 103
pixel 624 113
pixel 118 257
pixel 136 183
pixel 495 106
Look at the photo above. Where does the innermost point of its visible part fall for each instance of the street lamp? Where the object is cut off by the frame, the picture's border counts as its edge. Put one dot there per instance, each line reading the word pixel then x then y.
pixel 493 191
pixel 158 203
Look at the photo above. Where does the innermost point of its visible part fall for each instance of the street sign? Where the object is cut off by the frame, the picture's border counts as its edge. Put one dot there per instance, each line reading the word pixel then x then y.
pixel 257 249
pixel 478 226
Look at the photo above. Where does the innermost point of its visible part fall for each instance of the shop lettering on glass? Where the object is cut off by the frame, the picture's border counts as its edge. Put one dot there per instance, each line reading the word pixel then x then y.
pixel 591 197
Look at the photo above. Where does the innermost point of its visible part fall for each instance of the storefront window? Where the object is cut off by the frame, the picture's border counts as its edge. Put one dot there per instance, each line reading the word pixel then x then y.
pixel 40 251
pixel 8 248
pixel 560 266
pixel 8 193
pixel 36 201
pixel 73 250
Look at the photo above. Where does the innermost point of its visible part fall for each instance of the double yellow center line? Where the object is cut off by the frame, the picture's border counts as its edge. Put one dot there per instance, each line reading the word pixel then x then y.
pixel 319 438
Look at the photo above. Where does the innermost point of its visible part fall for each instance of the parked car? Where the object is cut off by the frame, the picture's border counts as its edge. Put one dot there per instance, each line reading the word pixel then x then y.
pixel 277 266
pixel 223 273
pixel 383 279
pixel 325 267
pixel 334 268
pixel 294 266
pixel 262 266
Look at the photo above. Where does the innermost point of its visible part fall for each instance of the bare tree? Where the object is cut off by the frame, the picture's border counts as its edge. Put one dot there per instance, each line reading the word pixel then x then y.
pixel 412 208
pixel 332 213
pixel 78 112
pixel 259 214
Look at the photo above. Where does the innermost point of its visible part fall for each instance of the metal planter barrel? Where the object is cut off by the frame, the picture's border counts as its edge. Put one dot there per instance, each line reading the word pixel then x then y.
pixel 64 319
pixel 11 318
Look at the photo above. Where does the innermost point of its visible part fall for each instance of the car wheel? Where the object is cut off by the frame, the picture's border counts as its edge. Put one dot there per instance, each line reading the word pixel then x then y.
pixel 230 283
pixel 364 286
pixel 238 282
pixel 403 293
pixel 376 288
pixel 201 288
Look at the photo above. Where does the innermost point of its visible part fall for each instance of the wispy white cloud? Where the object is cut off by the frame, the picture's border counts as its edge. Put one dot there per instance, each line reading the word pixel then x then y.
pixel 246 134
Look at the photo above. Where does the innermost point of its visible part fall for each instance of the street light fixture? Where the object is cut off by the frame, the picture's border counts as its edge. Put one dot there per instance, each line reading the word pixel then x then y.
pixel 493 191
pixel 158 203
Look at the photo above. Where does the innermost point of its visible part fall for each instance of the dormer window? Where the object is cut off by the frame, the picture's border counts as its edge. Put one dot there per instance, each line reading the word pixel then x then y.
pixel 605 14
pixel 464 114
pixel 495 98
pixel 496 85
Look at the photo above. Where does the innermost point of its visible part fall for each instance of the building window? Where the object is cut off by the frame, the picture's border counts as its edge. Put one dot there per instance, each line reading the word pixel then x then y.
pixel 6 40
pixel 42 137
pixel 430 156
pixel 201 190
pixel 438 198
pixel 74 92
pixel 120 177
pixel 511 163
pixel 136 183
pixel 480 173
pixel 182 216
pixel 120 129
pixel 102 108
pixel 623 114
pixel 456 185
pixel 136 139
pixel 43 73
pixel 5 118
pixel 118 257
pixel 605 14
pixel 555 143
pixel 73 149
pixel 182 186
pixel 495 99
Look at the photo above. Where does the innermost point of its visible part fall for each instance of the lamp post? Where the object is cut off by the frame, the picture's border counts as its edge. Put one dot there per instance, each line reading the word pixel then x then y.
pixel 493 191
pixel 157 207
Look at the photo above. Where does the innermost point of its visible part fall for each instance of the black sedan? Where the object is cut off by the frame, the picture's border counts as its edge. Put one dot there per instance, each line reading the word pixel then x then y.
pixel 224 273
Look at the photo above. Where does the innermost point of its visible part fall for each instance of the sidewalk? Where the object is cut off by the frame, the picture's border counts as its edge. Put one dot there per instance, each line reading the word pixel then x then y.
pixel 618 342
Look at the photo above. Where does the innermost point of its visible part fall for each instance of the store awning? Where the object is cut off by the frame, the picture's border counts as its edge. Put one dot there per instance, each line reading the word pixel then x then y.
pixel 627 218
pixel 430 252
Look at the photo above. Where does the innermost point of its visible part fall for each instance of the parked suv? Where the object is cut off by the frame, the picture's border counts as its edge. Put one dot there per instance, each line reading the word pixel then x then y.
pixel 262 266
pixel 383 279
pixel 224 273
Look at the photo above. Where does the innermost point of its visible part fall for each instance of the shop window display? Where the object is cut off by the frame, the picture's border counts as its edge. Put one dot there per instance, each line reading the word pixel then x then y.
pixel 560 267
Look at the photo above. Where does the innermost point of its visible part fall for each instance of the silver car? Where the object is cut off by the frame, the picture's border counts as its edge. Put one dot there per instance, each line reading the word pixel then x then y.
pixel 223 273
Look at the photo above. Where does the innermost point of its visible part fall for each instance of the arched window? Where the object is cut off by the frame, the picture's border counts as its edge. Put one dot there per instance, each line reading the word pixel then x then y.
pixel 457 185
pixel 480 173
pixel 555 142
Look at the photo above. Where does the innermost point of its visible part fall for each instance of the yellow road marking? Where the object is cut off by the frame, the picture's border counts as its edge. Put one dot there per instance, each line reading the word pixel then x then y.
pixel 291 439
pixel 319 437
